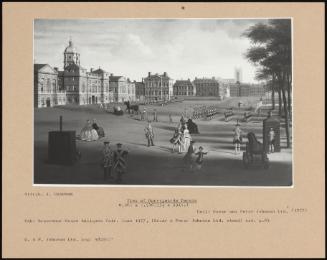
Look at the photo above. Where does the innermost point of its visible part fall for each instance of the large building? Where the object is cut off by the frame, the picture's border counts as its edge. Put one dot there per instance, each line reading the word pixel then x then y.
pixel 47 92
pixel 123 89
pixel 247 90
pixel 139 90
pixel 208 87
pixel 158 87
pixel 184 88
pixel 75 85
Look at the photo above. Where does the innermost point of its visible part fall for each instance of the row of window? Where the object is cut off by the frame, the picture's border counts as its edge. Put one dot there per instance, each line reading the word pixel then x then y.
pixel 183 93
pixel 154 92
pixel 183 88
pixel 46 102
pixel 156 84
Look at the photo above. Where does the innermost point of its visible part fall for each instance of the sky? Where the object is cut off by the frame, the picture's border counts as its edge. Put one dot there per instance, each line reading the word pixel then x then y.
pixel 184 48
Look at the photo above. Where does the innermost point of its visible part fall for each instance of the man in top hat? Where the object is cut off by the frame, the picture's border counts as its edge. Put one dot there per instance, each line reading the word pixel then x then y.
pixel 237 139
pixel 107 160
pixel 120 164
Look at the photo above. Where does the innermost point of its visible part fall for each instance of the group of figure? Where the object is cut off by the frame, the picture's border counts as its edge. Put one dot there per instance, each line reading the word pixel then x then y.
pixel 145 115
pixel 190 162
pixel 211 112
pixel 114 162
pixel 205 112
pixel 237 139
pixel 182 137
pixel 91 131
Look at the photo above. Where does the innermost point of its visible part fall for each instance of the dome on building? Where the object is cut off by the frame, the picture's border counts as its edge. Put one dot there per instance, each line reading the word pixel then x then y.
pixel 70 48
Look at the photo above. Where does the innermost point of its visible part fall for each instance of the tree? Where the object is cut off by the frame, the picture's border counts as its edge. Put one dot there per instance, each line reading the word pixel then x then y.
pixel 271 52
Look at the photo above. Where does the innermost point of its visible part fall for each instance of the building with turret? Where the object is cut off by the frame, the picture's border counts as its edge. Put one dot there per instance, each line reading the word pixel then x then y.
pixel 76 85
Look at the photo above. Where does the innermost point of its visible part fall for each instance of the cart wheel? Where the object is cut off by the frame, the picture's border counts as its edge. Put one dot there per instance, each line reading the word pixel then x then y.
pixel 246 160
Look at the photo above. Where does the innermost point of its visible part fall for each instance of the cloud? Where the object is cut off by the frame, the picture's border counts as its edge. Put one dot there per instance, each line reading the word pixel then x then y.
pixel 184 48
pixel 132 47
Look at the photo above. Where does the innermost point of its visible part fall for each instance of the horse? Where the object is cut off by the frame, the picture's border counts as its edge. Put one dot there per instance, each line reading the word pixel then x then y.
pixel 129 107
pixel 255 147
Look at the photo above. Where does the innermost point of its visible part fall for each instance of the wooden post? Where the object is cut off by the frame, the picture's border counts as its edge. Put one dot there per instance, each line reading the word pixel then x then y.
pixel 60 124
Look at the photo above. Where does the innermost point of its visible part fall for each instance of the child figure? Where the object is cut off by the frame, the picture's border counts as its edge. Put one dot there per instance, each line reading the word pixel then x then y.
pixel 237 140
pixel 271 138
pixel 199 159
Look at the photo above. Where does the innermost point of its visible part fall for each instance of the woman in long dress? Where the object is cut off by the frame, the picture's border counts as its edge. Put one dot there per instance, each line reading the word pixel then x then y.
pixel 186 139
pixel 98 128
pixel 88 133
pixel 176 140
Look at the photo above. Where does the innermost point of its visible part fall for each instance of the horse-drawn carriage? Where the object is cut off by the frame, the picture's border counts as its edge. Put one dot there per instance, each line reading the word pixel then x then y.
pixel 254 153
pixel 118 111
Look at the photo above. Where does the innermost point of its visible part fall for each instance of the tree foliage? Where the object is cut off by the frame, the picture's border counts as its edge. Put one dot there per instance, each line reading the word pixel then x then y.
pixel 271 53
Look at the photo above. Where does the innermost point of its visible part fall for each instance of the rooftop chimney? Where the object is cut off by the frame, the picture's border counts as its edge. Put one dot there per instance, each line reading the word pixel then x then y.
pixel 91 69
pixel 149 74
pixel 165 74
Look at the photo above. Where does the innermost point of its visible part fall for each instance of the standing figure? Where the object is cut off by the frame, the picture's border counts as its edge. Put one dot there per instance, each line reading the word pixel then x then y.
pixel 183 122
pixel 271 140
pixel 107 160
pixel 186 139
pixel 143 114
pixel 146 115
pixel 120 164
pixel 155 117
pixel 188 158
pixel 237 140
pixel 170 118
pixel 199 159
pixel 149 134
pixel 176 140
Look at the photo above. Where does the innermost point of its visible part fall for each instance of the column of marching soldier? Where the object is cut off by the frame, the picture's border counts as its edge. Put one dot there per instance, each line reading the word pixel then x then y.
pixel 207 112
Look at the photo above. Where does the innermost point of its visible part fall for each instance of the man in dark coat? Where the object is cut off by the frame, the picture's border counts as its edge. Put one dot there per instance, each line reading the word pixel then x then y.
pixel 120 163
